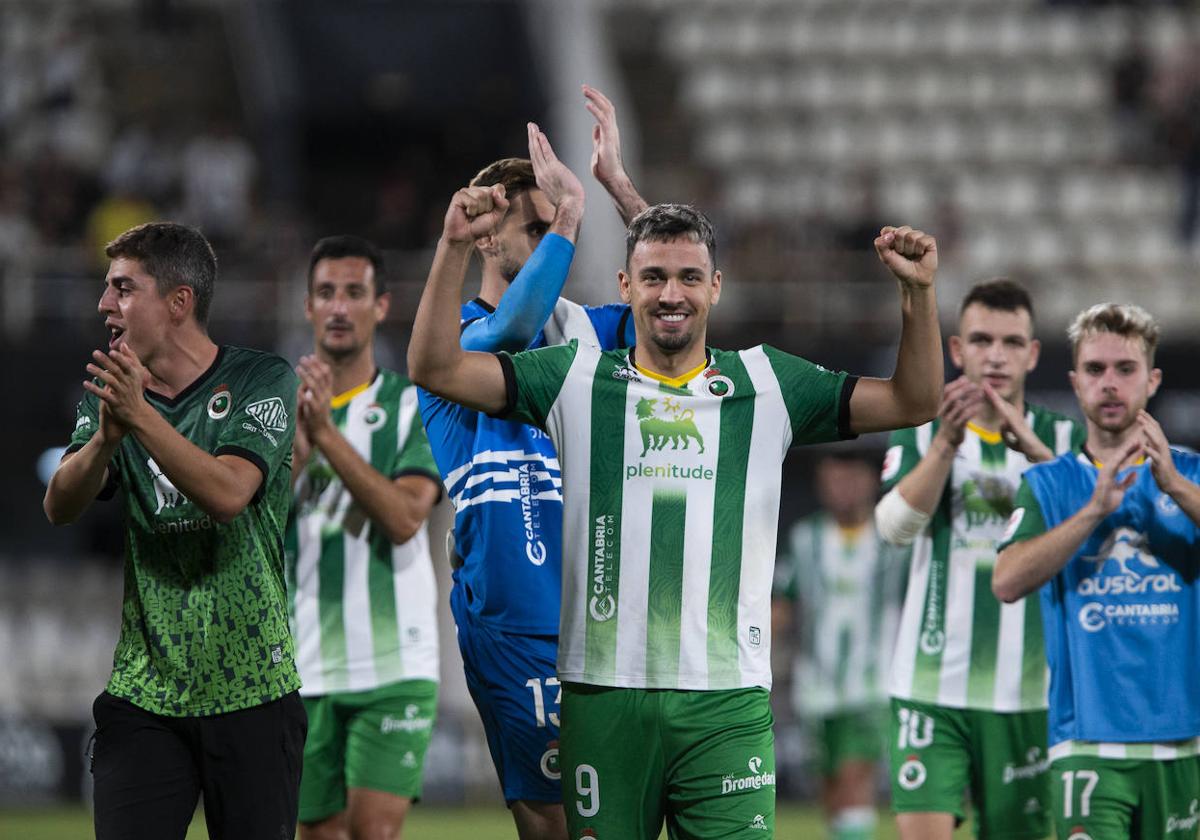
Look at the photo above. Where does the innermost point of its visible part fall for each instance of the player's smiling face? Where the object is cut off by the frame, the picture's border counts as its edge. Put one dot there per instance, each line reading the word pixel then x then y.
pixel 133 310
pixel 342 305
pixel 1113 380
pixel 670 286
pixel 995 346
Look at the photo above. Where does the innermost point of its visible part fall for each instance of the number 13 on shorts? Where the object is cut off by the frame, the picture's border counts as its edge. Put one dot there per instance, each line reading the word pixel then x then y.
pixel 540 714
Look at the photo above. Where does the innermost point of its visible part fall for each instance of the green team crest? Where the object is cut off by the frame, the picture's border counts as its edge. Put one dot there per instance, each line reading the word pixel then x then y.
pixel 672 423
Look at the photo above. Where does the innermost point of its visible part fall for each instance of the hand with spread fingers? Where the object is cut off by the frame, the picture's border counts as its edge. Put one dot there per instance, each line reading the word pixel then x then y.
pixel 910 254
pixel 122 392
pixel 961 400
pixel 474 212
pixel 1110 492
pixel 607 165
pixel 1158 453
pixel 313 402
pixel 1014 429
pixel 554 179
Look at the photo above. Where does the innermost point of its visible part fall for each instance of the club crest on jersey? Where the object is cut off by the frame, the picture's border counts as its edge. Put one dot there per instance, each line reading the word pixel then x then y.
pixel 220 403
pixel 671 424
pixel 375 416
pixel 716 384
pixel 271 415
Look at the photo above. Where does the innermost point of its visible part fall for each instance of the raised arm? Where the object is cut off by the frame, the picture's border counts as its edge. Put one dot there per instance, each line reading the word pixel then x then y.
pixel 607 166
pixel 530 299
pixel 436 361
pixel 911 396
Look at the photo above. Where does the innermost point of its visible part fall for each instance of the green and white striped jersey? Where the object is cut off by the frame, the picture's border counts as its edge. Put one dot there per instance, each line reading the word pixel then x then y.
pixel 671 505
pixel 958 645
pixel 363 610
pixel 846 590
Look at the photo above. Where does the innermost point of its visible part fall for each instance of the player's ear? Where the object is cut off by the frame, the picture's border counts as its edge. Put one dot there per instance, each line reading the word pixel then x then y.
pixel 623 281
pixel 1155 381
pixel 955 346
pixel 487 245
pixel 714 294
pixel 1035 352
pixel 383 303
pixel 179 301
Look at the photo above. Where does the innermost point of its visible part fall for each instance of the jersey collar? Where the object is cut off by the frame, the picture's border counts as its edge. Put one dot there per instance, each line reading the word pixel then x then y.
pixel 344 398
pixel 676 381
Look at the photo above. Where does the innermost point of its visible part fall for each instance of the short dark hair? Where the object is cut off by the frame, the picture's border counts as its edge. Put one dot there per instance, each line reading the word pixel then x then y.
pixel 999 293
pixel 174 255
pixel 347 245
pixel 516 174
pixel 668 222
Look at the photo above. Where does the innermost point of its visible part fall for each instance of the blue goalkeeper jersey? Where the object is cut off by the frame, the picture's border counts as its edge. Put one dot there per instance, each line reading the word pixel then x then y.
pixel 504 480
pixel 1122 618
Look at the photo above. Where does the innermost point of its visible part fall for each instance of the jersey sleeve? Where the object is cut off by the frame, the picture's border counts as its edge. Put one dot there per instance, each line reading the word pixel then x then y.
pixel 527 302
pixel 264 418
pixel 1026 521
pixel 613 324
pixel 817 399
pixel 901 456
pixel 533 379
pixel 414 456
pixel 87 423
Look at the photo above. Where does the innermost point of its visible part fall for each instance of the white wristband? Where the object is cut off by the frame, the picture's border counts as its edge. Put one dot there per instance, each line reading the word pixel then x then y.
pixel 897 521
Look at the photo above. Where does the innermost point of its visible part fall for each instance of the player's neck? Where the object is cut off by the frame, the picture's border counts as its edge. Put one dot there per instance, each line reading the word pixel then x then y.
pixel 492 286
pixel 1104 445
pixel 189 354
pixel 351 371
pixel 650 358
pixel 853 520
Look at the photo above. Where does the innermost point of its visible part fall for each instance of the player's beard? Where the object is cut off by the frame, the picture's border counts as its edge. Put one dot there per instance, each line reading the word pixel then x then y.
pixel 340 352
pixel 671 342
pixel 509 269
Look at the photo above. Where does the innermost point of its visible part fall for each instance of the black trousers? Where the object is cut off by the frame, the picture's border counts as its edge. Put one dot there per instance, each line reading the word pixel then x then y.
pixel 150 771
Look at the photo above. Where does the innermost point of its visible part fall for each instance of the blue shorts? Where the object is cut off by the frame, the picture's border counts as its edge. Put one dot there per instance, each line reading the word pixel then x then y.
pixel 512 681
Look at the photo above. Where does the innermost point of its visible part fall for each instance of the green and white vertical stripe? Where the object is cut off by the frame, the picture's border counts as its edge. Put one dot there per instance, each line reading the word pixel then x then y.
pixel 847 608
pixel 363 609
pixel 671 499
pixel 958 646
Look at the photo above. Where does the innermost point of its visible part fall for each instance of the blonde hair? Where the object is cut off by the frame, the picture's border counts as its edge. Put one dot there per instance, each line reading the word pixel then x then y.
pixel 1127 320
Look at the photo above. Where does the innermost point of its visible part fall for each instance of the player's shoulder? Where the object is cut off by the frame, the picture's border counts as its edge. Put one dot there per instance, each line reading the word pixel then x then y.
pixel 247 362
pixel 1186 460
pixel 1045 418
pixel 1059 469
pixel 393 381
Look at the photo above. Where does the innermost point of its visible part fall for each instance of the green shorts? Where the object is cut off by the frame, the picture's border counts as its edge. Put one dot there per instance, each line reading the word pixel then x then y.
pixel 366 739
pixel 702 760
pixel 1115 799
pixel 851 736
pixel 938 754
